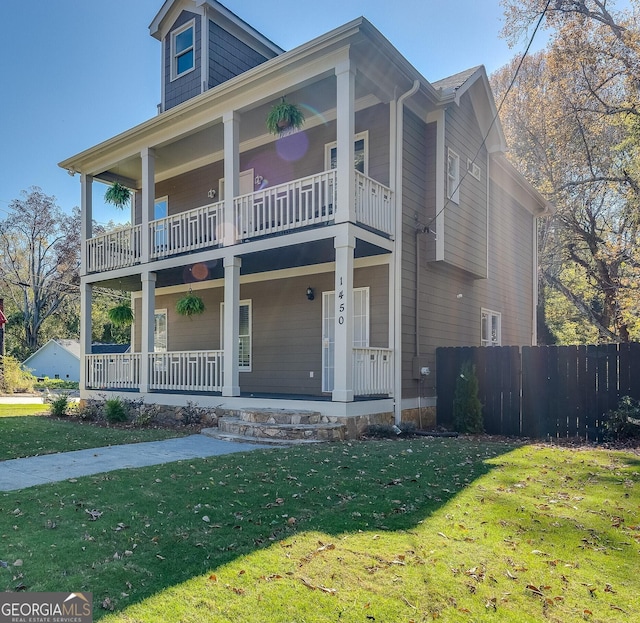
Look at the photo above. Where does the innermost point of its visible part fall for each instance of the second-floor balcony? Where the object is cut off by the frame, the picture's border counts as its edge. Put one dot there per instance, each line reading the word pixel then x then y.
pixel 303 203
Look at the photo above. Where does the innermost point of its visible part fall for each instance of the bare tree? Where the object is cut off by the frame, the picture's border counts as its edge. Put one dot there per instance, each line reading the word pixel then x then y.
pixel 39 259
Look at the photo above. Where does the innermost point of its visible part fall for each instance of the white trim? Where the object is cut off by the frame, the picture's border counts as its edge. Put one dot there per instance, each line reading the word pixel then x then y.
pixel 453 178
pixel 473 169
pixel 244 303
pixel 361 136
pixel 490 315
pixel 173 55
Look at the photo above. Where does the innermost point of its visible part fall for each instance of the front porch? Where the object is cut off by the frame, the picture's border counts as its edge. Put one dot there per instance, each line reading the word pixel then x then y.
pixel 202 372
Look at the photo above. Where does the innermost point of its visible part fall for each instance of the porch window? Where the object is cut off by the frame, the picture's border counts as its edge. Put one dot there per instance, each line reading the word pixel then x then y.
pixel 160 211
pixel 160 331
pixel 453 176
pixel 244 337
pixel 490 328
pixel 183 50
pixel 361 155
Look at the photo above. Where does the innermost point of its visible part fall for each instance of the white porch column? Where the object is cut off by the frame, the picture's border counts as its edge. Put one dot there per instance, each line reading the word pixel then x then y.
pixel 231 122
pixel 345 130
pixel 345 245
pixel 148 199
pixel 231 324
pixel 147 325
pixel 86 216
pixel 86 290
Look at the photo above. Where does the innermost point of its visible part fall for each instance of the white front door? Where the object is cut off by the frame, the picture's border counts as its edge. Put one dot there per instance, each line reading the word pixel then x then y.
pixel 360 330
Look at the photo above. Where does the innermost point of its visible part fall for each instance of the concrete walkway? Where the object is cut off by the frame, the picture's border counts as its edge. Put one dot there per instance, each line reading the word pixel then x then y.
pixel 21 473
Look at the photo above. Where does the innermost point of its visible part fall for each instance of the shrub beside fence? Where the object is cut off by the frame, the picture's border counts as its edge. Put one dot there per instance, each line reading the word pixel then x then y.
pixel 543 391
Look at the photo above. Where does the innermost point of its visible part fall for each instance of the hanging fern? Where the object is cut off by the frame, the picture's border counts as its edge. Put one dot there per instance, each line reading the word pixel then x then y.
pixel 284 116
pixel 121 315
pixel 118 195
pixel 189 305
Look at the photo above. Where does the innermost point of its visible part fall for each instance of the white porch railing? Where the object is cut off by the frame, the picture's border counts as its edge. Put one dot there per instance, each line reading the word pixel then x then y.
pixel 372 371
pixel 113 371
pixel 301 203
pixel 195 229
pixel 373 204
pixel 198 371
pixel 116 249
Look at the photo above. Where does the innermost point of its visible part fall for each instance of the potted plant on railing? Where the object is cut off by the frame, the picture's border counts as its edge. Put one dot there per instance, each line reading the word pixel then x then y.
pixel 190 305
pixel 118 195
pixel 284 116
pixel 121 315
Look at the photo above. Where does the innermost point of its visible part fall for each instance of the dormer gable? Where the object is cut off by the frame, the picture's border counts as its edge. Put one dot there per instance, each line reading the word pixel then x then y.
pixel 203 45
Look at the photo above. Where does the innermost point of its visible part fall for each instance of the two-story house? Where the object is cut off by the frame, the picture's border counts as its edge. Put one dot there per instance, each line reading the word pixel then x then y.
pixel 331 260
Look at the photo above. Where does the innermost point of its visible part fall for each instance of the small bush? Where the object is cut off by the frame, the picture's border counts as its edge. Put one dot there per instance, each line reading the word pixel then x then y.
pixel 59 405
pixel 623 423
pixel 467 408
pixel 191 414
pixel 92 410
pixel 56 384
pixel 116 410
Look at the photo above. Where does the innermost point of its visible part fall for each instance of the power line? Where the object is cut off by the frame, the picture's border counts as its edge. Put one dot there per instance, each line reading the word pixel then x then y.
pixel 426 228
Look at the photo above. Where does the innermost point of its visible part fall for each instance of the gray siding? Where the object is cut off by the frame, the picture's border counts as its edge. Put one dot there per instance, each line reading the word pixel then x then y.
pixel 228 56
pixel 286 328
pixel 443 318
pixel 189 85
pixel 466 222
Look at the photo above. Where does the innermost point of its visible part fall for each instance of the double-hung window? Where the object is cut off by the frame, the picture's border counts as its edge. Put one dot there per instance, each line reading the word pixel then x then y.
pixel 490 329
pixel 360 156
pixel 453 176
pixel 183 50
pixel 244 335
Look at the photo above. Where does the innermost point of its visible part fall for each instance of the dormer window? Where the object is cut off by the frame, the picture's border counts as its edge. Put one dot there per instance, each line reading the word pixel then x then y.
pixel 183 50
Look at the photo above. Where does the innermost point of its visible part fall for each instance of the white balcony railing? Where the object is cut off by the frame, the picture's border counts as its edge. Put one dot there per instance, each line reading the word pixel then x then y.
pixel 113 371
pixel 306 202
pixel 301 203
pixel 373 205
pixel 372 371
pixel 116 249
pixel 187 231
pixel 197 371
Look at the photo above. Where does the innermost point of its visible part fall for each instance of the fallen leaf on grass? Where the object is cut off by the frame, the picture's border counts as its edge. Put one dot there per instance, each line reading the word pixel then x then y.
pixel 94 514
pixel 313 587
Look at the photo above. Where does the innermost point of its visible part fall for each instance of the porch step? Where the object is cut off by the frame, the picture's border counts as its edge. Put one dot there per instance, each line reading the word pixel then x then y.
pixel 277 426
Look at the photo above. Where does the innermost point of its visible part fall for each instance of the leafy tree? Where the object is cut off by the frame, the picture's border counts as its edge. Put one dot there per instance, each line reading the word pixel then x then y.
pixel 467 408
pixel 39 262
pixel 572 121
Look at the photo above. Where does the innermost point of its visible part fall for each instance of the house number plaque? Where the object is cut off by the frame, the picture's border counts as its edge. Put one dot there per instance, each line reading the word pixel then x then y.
pixel 341 305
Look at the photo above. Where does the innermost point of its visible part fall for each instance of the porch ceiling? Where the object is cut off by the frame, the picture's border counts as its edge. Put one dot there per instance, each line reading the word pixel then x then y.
pixel 280 258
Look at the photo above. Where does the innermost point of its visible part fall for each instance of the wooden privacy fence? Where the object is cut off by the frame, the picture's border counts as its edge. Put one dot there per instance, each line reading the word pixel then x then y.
pixel 542 391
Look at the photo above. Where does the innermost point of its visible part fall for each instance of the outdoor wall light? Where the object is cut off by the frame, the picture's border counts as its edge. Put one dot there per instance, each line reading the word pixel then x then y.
pixel 310 294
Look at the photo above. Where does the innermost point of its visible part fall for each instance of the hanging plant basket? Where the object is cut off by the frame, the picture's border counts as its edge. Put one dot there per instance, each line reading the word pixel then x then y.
pixel 121 315
pixel 284 116
pixel 118 195
pixel 189 305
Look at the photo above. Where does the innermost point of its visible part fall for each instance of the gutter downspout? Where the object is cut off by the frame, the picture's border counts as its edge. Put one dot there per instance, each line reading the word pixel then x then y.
pixel 397 264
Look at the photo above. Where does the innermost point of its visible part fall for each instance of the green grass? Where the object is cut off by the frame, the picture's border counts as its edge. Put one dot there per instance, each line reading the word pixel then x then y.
pixel 14 410
pixel 411 530
pixel 24 434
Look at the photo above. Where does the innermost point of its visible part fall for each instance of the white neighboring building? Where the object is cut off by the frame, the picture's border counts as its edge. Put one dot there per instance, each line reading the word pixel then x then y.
pixel 57 359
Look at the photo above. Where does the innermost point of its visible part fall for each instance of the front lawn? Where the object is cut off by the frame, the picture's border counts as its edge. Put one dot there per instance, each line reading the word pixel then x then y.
pixel 24 434
pixel 404 530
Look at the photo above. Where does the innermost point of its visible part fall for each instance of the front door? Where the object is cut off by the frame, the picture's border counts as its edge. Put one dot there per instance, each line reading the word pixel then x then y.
pixel 360 330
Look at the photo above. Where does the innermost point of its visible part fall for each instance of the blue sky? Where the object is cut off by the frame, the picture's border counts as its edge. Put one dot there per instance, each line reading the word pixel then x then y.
pixel 77 72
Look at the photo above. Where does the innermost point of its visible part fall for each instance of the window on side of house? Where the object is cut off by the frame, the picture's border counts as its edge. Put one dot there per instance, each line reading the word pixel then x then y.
pixel 244 337
pixel 183 50
pixel 360 157
pixel 490 328
pixel 453 176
